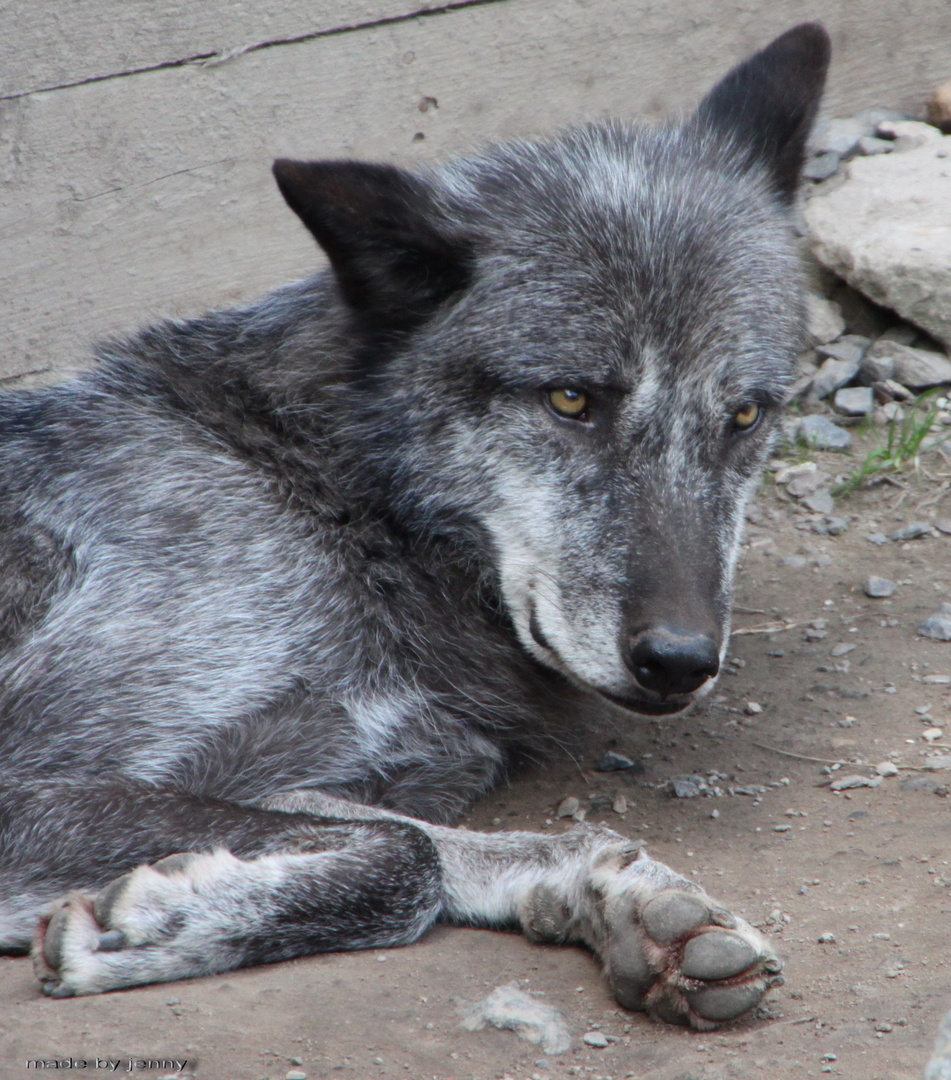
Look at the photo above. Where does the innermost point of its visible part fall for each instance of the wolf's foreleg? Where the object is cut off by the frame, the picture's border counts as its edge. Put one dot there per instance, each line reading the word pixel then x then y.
pixel 248 886
pixel 665 945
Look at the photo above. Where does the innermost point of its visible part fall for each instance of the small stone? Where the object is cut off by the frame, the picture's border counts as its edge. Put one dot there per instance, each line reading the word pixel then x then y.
pixel 826 939
pixel 820 502
pixel 886 768
pixel 847 783
pixel 787 473
pixel 877 538
pixel 685 787
pixel 295 1074
pixel 939 680
pixel 854 400
pixel 714 814
pixel 824 322
pixel 568 807
pixel 753 708
pixel 807 483
pixel 879 588
pixel 794 562
pixel 943 525
pixel 938 626
pixel 932 734
pixel 612 762
pixel 839 136
pixel 869 146
pixel 915 530
pixel 841 649
pixel 832 526
pixel 820 432
pixel 822 166
pixel 831 375
pixel 850 349
pixel 619 806
pixel 595 1038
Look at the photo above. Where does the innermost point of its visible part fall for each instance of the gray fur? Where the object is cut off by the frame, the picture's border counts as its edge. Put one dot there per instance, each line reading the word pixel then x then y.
pixel 333 556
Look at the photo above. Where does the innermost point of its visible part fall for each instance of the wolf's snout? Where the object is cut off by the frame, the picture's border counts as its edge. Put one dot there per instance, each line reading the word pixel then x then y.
pixel 672 662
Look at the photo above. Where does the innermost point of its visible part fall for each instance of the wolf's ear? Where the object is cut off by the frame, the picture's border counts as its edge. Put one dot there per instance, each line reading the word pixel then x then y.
pixel 769 102
pixel 395 256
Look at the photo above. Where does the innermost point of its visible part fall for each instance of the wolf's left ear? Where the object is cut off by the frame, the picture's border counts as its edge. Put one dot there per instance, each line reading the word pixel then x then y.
pixel 769 103
pixel 395 256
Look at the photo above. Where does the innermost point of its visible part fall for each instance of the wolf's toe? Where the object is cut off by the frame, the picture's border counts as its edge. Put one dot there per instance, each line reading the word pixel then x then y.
pixel 718 954
pixel 718 1004
pixel 673 914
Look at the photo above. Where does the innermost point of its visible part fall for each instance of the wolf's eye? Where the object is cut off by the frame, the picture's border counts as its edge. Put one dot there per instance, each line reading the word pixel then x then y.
pixel 748 417
pixel 570 403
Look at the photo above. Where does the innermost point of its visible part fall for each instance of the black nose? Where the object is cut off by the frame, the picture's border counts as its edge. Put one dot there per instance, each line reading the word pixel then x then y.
pixel 672 662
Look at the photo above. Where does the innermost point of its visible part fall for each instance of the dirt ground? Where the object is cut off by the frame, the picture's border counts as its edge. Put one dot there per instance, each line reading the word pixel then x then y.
pixel 869 866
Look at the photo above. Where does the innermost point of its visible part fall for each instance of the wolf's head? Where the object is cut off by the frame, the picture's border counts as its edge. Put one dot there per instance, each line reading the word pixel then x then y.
pixel 579 348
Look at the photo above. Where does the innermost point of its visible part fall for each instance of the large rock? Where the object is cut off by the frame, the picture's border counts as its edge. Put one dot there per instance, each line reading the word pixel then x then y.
pixel 916 368
pixel 887 228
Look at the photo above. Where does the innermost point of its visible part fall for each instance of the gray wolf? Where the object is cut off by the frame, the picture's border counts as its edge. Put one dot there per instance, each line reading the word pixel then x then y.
pixel 284 588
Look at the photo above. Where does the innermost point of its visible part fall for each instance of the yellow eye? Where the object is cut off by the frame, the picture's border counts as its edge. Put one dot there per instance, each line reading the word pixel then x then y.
pixel 570 403
pixel 747 417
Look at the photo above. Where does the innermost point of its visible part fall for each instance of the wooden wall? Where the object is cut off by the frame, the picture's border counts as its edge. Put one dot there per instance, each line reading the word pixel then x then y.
pixel 136 135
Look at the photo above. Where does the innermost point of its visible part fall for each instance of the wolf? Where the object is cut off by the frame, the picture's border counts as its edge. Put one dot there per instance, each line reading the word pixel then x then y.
pixel 284 588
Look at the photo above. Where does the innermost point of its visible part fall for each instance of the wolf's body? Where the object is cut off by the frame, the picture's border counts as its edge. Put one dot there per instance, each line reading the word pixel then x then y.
pixel 277 581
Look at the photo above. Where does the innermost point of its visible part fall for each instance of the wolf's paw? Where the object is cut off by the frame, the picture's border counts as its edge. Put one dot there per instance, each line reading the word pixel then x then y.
pixel 668 948
pixel 142 927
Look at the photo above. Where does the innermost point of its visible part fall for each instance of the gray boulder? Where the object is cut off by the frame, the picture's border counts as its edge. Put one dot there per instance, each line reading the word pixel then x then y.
pixel 885 228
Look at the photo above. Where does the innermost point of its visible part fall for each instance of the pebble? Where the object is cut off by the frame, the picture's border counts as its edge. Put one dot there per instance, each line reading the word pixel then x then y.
pixel 806 483
pixel 295 1074
pixel 822 166
pixel 845 783
pixel 937 626
pixel 915 530
pixel 877 538
pixel 619 806
pixel 854 400
pixel 826 939
pixel 820 502
pixel 850 349
pixel 878 587
pixel 820 432
pixel 842 648
pixel 753 708
pixel 869 146
pixel 943 525
pixel 832 526
pixel 568 807
pixel 611 762
pixel 932 734
pixel 686 787
pixel 595 1038
pixel 886 768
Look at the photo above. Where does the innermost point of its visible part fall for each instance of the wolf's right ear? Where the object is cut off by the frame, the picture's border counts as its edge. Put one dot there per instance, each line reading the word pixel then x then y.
pixel 768 103
pixel 395 256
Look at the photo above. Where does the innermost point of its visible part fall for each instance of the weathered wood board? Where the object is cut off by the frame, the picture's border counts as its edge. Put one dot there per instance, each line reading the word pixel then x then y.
pixel 148 194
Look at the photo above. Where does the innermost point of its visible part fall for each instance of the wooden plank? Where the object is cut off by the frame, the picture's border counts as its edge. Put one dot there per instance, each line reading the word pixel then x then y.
pixel 51 43
pixel 133 198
